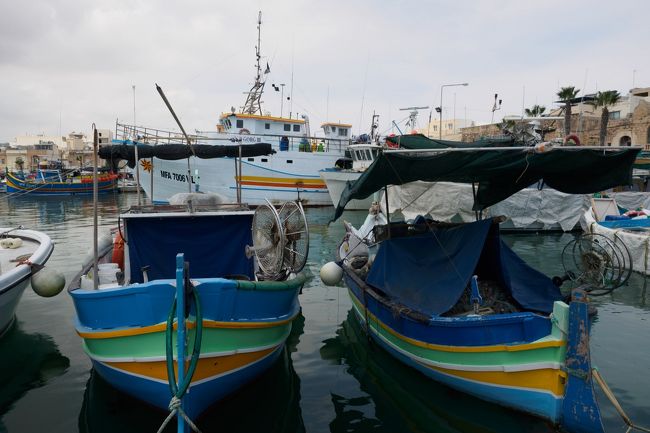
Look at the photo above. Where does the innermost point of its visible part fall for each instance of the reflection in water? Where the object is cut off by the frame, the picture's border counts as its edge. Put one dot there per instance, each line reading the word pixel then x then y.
pixel 27 361
pixel 271 403
pixel 402 399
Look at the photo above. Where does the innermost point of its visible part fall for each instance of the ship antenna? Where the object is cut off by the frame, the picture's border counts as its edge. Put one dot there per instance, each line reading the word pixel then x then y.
pixel 253 104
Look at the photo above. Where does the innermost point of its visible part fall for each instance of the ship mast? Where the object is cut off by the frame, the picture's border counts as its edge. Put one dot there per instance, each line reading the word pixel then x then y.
pixel 253 104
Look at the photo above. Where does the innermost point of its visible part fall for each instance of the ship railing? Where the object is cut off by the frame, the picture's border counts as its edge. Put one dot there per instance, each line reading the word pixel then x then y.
pixel 130 133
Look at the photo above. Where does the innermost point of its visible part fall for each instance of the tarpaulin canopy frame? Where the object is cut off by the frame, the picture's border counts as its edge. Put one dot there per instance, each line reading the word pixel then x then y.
pixel 498 171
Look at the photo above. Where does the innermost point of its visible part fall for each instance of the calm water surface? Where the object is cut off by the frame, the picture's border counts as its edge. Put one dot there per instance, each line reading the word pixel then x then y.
pixel 330 377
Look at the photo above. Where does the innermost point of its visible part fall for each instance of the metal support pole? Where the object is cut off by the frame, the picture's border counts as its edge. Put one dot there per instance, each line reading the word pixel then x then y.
pixel 95 204
pixel 387 210
pixel 239 196
pixel 180 333
pixel 137 168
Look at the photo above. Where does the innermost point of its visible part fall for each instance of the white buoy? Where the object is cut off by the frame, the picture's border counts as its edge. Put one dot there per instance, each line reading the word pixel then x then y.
pixel 48 282
pixel 331 274
pixel 104 241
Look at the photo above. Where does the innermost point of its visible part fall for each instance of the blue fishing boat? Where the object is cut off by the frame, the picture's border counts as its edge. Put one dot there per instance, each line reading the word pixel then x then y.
pixel 49 182
pixel 240 273
pixel 454 302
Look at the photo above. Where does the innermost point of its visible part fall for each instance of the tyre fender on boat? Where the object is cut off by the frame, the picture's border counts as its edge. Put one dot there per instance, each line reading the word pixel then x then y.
pixel 244 131
pixel 572 137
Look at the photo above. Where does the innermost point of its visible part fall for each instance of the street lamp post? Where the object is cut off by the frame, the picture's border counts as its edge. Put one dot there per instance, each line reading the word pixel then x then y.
pixel 441 88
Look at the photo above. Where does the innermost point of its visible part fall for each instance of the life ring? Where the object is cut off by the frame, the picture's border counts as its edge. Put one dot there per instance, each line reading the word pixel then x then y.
pixel 118 251
pixel 573 138
pixel 244 131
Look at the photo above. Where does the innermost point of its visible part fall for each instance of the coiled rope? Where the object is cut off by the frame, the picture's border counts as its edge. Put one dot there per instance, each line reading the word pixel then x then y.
pixel 178 391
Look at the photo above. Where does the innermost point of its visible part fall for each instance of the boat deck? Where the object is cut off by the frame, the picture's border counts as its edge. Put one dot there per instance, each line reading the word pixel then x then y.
pixel 10 257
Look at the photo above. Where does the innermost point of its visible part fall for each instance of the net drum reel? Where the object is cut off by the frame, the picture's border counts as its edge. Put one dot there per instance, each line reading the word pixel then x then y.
pixel 596 263
pixel 280 240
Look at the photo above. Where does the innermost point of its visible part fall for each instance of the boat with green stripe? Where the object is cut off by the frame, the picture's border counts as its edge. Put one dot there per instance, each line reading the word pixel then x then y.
pixel 454 302
pixel 237 323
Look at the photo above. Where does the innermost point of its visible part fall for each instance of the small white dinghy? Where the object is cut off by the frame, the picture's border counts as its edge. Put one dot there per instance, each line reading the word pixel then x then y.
pixel 22 254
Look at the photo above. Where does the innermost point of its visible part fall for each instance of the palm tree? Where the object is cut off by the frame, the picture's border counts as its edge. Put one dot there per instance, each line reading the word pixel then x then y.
pixel 535 111
pixel 20 163
pixel 566 94
pixel 605 99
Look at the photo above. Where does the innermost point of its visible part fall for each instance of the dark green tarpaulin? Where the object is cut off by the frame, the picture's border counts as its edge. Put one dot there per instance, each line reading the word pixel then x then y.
pixel 117 152
pixel 499 173
pixel 419 141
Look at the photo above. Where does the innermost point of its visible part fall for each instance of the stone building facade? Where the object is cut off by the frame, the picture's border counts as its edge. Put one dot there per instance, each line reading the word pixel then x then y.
pixel 631 129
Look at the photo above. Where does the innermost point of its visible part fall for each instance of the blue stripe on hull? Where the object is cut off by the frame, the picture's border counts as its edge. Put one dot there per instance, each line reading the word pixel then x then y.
pixel 198 397
pixel 538 403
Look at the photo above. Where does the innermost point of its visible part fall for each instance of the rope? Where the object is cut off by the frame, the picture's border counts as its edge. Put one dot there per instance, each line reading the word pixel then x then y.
pixel 175 408
pixel 178 391
pixel 612 398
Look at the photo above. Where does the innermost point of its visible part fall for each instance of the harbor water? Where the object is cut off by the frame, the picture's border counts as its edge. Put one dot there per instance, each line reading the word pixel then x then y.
pixel 330 377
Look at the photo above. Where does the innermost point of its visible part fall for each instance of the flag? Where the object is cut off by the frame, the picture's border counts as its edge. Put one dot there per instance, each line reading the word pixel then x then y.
pixel 268 68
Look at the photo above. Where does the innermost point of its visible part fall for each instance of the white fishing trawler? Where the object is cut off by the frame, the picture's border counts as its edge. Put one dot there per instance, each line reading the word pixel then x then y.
pixel 288 174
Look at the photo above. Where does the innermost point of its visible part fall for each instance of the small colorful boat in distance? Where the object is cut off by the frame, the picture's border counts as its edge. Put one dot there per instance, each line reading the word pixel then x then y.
pixel 454 302
pixel 49 182
pixel 245 284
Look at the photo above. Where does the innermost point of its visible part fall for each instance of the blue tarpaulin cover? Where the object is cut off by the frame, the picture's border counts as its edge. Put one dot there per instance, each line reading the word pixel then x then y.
pixel 213 245
pixel 429 272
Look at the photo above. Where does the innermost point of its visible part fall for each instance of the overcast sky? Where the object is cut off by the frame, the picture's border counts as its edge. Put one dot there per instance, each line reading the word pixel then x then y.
pixel 65 64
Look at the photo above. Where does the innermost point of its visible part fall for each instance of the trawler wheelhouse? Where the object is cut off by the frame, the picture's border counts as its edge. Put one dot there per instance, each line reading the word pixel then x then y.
pixel 240 123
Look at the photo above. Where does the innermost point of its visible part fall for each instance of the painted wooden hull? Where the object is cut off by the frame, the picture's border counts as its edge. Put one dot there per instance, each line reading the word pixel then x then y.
pixel 15 277
pixel 516 360
pixel 15 185
pixel 244 332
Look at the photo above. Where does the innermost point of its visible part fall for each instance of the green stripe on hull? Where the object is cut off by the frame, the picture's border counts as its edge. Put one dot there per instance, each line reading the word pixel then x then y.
pixel 214 340
pixel 496 359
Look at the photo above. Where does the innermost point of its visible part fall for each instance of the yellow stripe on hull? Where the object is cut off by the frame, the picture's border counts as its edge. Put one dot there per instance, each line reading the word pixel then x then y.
pixel 160 327
pixel 546 379
pixel 206 367
pixel 444 348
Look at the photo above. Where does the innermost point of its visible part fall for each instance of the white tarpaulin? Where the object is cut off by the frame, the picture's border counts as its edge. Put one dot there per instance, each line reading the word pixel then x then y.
pixel 529 209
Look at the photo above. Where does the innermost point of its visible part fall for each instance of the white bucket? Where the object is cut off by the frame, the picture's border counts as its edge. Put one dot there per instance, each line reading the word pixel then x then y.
pixel 107 266
pixel 107 276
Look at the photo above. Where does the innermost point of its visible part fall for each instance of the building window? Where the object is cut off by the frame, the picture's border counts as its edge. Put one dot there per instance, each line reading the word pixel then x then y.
pixel 240 123
pixel 435 127
pixel 648 136
pixel 615 115
pixel 287 127
pixel 267 126
pixel 450 126
pixel 296 128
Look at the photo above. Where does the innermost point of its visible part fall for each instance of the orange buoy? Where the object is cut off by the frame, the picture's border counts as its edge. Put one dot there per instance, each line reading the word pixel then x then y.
pixel 118 250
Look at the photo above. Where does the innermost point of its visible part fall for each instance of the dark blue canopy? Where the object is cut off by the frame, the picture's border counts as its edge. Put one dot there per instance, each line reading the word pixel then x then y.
pixel 429 272
pixel 213 244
